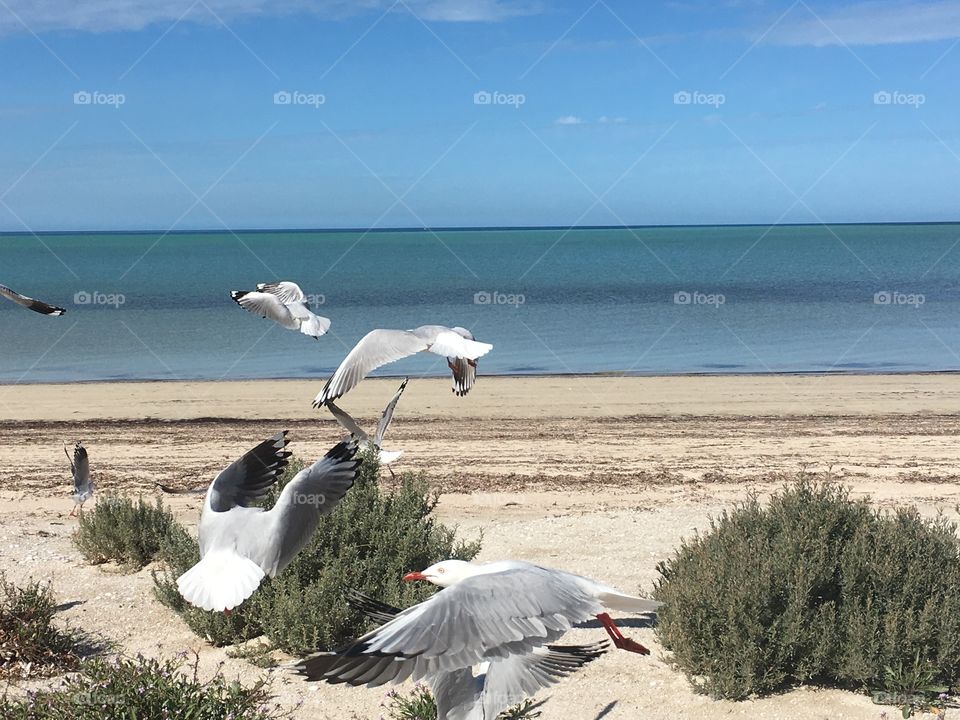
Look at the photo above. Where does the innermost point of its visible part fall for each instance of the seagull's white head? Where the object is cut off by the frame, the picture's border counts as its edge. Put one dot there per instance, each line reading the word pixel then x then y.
pixel 445 573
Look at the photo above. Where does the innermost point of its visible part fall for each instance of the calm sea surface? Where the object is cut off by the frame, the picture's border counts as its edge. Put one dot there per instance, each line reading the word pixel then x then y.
pixel 866 298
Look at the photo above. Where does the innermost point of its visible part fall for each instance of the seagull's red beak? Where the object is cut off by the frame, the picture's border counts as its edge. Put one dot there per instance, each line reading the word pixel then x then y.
pixel 410 577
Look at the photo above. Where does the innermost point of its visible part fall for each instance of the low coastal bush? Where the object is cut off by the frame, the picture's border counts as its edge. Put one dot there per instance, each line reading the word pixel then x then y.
pixel 143 688
pixel 31 644
pixel 124 531
pixel 368 543
pixel 420 705
pixel 814 587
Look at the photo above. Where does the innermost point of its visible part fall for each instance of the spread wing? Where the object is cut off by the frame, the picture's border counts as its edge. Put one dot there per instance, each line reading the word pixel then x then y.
pixel 81 468
pixel 286 292
pixel 347 422
pixel 483 618
pixel 29 302
pixel 388 414
pixel 266 306
pixel 453 345
pixel 249 478
pixel 377 348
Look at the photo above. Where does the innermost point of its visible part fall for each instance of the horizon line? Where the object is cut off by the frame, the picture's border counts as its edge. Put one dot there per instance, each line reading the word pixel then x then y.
pixel 464 228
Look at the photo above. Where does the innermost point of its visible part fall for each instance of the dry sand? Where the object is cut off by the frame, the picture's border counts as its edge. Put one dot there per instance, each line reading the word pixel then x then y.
pixel 596 475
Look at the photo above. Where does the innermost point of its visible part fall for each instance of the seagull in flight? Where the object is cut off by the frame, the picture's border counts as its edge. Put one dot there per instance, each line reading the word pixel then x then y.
pixel 364 441
pixel 28 302
pixel 82 484
pixel 284 303
pixel 380 347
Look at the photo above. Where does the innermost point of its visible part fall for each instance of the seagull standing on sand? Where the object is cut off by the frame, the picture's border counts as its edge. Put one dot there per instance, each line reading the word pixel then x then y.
pixel 240 544
pixel 363 440
pixel 28 302
pixel 379 347
pixel 82 484
pixel 284 303
pixel 499 684
pixel 502 612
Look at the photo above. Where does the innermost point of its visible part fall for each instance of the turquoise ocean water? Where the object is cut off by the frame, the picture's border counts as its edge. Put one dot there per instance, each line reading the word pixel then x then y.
pixel 843 298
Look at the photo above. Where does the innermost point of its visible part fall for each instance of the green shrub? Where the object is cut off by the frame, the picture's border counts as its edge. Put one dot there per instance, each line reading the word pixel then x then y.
pixel 142 688
pixel 368 543
pixel 812 588
pixel 31 645
pixel 121 530
pixel 419 705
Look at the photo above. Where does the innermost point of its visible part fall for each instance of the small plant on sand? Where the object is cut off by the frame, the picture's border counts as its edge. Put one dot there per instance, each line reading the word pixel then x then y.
pixel 124 531
pixel 813 587
pixel 368 543
pixel 419 705
pixel 143 688
pixel 31 644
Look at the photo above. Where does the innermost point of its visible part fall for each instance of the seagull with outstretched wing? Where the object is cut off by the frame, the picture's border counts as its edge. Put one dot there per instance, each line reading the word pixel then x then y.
pixel 364 441
pixel 28 302
pixel 82 484
pixel 240 543
pixel 284 303
pixel 380 347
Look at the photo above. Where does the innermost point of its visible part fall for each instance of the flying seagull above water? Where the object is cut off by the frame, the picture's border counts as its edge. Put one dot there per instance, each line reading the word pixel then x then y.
pixel 28 302
pixel 284 303
pixel 380 347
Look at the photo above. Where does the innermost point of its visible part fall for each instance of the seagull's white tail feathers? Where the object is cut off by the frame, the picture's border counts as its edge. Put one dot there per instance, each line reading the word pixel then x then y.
pixel 220 581
pixel 616 600
pixel 389 456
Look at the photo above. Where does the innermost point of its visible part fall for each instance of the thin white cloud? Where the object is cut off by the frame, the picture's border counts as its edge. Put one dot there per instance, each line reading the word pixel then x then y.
pixel 569 120
pixel 879 22
pixel 124 15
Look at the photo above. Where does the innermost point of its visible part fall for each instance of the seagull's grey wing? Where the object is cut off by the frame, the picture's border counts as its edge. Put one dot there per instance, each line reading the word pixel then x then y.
pixel 28 302
pixel 347 422
pixel 459 695
pixel 485 617
pixel 286 292
pixel 81 468
pixel 266 306
pixel 250 478
pixel 374 609
pixel 518 677
pixel 313 493
pixel 388 414
pixel 377 348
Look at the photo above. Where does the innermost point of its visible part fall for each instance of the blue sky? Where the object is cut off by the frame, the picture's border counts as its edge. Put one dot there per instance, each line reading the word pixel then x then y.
pixel 600 113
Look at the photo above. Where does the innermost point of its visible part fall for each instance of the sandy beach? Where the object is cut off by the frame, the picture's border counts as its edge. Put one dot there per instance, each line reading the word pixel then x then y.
pixel 598 475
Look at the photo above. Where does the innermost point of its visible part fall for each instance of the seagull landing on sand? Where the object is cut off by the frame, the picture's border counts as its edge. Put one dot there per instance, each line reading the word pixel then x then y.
pixel 386 457
pixel 29 302
pixel 240 544
pixel 82 484
pixel 284 303
pixel 499 684
pixel 379 347
pixel 502 612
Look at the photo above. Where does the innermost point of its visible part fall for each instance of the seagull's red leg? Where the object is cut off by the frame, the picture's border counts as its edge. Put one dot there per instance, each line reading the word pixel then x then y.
pixel 624 643
pixel 72 511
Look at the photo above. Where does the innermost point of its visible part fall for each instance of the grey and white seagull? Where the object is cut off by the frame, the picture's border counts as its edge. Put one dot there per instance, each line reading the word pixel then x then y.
pixel 499 684
pixel 28 302
pixel 284 303
pixel 82 484
pixel 364 441
pixel 503 612
pixel 379 347
pixel 240 544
